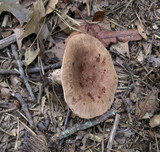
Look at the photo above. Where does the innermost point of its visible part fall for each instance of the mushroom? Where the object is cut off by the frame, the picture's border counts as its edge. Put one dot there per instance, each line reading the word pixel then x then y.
pixel 89 80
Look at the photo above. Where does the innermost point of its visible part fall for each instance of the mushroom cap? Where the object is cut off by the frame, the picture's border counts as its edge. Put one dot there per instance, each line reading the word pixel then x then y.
pixel 89 79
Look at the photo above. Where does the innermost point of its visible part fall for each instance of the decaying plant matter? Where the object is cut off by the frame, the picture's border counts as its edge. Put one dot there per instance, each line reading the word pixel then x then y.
pixel 107 37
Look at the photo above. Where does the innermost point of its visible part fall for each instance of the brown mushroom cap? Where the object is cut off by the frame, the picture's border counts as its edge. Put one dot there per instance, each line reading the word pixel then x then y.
pixel 89 79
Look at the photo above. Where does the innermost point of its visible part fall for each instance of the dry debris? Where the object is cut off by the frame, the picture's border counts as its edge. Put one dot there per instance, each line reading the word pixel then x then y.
pixel 33 113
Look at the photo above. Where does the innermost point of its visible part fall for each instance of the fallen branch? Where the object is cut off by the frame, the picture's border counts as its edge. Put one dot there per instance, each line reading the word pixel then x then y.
pixel 31 70
pixel 7 41
pixel 86 125
pixel 24 108
pixel 21 71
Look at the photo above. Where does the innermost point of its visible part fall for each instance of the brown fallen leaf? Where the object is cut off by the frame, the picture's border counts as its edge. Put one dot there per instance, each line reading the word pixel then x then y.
pixel 152 134
pixel 36 22
pixel 6 34
pixel 58 50
pixel 51 6
pixel 5 93
pixel 147 108
pixel 140 56
pixel 35 25
pixel 30 55
pixel 107 37
pixel 98 5
pixel 98 16
pixel 13 6
pixel 154 121
pixel 19 31
pixel 141 29
pixel 122 48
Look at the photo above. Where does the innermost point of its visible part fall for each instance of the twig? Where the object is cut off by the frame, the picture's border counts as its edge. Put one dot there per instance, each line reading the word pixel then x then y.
pixel 7 41
pixel 21 71
pixel 67 118
pixel 130 72
pixel 86 125
pixel 24 108
pixel 7 72
pixel 47 67
pixel 155 136
pixel 5 21
pixel 31 70
pixel 113 132
pixel 66 124
pixel 40 93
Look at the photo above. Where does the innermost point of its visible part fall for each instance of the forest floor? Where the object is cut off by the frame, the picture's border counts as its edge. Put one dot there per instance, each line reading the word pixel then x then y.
pixel 33 114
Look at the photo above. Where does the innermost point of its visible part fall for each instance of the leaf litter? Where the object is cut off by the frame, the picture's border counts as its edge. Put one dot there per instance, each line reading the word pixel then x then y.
pixel 13 6
pixel 130 32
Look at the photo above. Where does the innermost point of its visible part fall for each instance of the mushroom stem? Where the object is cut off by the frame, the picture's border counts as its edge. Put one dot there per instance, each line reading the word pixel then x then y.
pixel 56 76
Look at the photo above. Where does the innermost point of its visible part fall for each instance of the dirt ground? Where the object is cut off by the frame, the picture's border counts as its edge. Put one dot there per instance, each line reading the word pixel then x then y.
pixel 34 116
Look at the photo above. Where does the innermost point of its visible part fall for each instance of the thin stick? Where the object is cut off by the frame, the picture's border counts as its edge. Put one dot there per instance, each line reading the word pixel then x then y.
pixel 113 132
pixel 5 21
pixel 21 71
pixel 31 70
pixel 7 41
pixel 47 67
pixel 155 136
pixel 66 123
pixel 86 125
pixel 24 108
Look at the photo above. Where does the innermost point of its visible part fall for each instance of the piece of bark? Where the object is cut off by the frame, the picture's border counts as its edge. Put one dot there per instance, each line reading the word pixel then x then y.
pixel 107 37
pixel 35 143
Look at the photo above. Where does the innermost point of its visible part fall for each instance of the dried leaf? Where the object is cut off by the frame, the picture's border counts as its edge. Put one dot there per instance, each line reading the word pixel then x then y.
pixel 122 48
pixel 13 6
pixel 105 25
pixel 154 121
pixel 19 31
pixel 58 50
pixel 15 81
pixel 98 5
pixel 5 93
pixel 147 47
pixel 141 29
pixel 155 60
pixel 36 22
pixel 107 37
pixel 99 16
pixel 3 84
pixel 147 108
pixel 35 25
pixel 30 55
pixel 6 34
pixel 51 6
pixel 140 56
